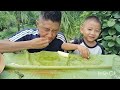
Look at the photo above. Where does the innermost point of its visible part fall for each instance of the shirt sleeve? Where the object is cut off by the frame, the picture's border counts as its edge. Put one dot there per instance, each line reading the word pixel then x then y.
pixel 103 49
pixel 61 37
pixel 20 36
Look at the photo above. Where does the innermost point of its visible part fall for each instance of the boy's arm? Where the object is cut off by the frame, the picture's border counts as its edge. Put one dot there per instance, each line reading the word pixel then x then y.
pixel 9 46
pixel 84 51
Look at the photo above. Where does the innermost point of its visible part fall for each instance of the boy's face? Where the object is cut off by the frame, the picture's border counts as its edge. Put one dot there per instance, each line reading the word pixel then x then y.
pixel 48 29
pixel 91 30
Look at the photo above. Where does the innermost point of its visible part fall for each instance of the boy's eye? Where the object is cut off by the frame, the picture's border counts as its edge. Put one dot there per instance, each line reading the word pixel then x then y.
pixel 97 30
pixel 89 29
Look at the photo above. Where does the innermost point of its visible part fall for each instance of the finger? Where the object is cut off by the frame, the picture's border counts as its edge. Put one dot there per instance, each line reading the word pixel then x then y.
pixel 85 54
pixel 88 53
pixel 45 45
pixel 43 41
pixel 44 38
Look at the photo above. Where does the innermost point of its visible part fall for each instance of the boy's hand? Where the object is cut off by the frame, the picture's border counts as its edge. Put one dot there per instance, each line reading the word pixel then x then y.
pixel 84 51
pixel 39 43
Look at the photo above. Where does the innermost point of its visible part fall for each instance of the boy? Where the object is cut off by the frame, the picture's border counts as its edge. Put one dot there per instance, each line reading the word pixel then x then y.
pixel 91 29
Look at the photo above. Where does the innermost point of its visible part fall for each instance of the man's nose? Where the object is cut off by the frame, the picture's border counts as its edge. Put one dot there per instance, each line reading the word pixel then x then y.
pixel 49 34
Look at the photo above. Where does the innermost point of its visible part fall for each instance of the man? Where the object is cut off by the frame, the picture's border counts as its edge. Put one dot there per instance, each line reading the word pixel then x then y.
pixel 46 37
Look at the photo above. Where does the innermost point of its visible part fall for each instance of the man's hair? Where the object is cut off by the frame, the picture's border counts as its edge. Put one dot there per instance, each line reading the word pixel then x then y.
pixel 95 18
pixel 54 16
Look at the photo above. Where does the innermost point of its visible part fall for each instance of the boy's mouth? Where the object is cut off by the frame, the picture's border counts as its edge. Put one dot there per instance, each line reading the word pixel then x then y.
pixel 91 37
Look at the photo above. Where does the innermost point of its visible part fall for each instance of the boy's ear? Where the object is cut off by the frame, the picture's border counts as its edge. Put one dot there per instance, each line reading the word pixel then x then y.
pixel 81 29
pixel 100 33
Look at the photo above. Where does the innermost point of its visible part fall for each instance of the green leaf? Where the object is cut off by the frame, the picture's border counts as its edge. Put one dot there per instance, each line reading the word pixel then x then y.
pixel 117 27
pixel 114 51
pixel 104 43
pixel 111 44
pixel 116 15
pixel 118 40
pixel 108 38
pixel 118 19
pixel 111 22
pixel 114 37
pixel 104 25
pixel 105 32
pixel 107 49
pixel 112 32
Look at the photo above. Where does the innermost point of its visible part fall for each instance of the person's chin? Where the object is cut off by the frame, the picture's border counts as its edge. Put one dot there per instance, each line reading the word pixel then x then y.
pixel 50 41
pixel 91 40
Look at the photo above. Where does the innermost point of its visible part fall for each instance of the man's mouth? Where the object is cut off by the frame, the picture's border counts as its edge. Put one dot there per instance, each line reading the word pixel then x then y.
pixel 49 40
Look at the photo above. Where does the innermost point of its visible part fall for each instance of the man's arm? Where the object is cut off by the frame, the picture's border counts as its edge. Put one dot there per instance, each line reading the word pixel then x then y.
pixel 9 46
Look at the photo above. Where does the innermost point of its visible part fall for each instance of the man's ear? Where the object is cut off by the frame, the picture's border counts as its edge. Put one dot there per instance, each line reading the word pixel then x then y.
pixel 37 22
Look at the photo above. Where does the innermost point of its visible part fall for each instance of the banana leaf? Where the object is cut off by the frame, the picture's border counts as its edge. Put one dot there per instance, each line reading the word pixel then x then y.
pixel 47 64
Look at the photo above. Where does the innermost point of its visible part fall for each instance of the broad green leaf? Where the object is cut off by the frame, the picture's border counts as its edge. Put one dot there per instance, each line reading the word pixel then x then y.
pixel 114 51
pixel 117 27
pixel 118 40
pixel 114 37
pixel 111 22
pixel 117 45
pixel 107 49
pixel 111 44
pixel 46 58
pixel 105 32
pixel 104 43
pixel 108 38
pixel 104 25
pixel 112 32
pixel 116 15
pixel 118 19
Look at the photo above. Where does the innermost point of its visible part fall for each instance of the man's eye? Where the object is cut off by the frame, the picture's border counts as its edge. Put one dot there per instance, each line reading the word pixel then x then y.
pixel 55 30
pixel 47 30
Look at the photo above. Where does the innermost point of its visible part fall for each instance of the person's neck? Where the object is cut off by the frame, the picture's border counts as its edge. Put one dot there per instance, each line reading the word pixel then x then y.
pixel 90 44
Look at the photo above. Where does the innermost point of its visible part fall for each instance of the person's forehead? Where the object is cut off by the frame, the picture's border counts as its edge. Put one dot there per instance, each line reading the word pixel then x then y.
pixel 49 24
pixel 91 22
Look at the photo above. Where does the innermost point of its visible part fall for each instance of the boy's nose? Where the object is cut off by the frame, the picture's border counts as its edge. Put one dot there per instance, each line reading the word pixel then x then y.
pixel 92 32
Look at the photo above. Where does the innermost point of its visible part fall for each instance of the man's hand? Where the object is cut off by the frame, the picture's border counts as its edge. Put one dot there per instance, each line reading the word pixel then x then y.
pixel 84 51
pixel 39 43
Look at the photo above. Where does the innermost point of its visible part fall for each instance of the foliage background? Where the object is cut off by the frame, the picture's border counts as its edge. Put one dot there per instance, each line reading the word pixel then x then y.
pixel 13 21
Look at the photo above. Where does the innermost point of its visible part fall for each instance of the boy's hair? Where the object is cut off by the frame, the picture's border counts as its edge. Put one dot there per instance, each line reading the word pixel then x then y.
pixel 95 18
pixel 54 16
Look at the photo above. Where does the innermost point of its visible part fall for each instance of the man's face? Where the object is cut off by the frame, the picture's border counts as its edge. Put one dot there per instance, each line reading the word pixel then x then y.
pixel 48 29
